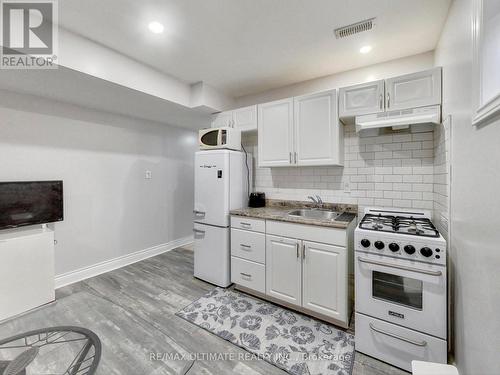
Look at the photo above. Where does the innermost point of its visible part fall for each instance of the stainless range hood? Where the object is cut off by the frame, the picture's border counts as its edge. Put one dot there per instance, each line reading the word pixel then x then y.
pixel 399 119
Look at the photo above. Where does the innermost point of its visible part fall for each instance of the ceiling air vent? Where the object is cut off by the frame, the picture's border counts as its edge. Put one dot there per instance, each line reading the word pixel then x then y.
pixel 358 27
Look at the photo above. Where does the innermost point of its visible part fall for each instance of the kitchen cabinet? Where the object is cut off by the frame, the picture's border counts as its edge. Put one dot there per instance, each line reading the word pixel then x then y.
pixel 275 134
pixel 283 269
pixel 413 90
pixel 318 134
pixel 304 267
pixel 222 119
pixel 300 131
pixel 325 279
pixel 362 99
pixel 244 119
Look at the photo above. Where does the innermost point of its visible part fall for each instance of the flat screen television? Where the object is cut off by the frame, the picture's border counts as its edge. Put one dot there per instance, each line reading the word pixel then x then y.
pixel 30 202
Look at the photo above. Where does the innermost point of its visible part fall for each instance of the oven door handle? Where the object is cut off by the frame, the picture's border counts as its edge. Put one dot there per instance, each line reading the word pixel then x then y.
pixel 417 343
pixel 412 269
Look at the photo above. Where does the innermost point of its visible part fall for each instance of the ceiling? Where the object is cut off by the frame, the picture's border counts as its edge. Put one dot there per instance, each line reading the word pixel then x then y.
pixel 248 46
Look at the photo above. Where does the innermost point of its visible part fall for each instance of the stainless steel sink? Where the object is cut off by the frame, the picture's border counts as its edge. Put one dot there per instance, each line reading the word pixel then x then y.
pixel 314 213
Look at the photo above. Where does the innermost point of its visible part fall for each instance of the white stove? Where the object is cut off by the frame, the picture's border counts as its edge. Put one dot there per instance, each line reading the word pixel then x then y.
pixel 401 292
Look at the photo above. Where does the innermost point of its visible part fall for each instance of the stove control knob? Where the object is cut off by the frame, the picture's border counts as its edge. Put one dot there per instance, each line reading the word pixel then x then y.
pixel 394 247
pixel 409 249
pixel 379 245
pixel 365 243
pixel 426 252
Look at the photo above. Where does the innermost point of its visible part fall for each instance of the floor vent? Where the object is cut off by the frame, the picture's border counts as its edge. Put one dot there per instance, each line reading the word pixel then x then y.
pixel 358 27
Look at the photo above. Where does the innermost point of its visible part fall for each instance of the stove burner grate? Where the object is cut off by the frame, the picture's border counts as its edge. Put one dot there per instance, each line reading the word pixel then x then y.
pixel 399 224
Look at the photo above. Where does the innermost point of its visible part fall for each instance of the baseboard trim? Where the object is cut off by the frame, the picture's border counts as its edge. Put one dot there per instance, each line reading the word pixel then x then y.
pixel 113 264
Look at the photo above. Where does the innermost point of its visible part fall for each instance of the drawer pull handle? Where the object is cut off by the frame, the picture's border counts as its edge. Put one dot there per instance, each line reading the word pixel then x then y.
pixel 246 275
pixel 417 343
pixel 245 246
pixel 246 224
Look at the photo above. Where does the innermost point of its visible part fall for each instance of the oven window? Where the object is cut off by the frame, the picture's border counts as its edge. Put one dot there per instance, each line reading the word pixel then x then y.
pixel 397 289
pixel 210 138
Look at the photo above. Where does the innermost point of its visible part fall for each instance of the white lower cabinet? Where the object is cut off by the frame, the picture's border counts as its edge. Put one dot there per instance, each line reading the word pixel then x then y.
pixel 283 269
pixel 325 279
pixel 309 273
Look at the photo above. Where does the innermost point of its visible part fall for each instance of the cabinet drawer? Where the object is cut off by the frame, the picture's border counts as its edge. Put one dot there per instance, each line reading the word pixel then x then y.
pixel 248 274
pixel 248 245
pixel 247 223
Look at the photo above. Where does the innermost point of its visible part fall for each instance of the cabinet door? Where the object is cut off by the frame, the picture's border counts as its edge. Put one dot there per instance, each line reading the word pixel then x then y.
pixel 245 119
pixel 361 99
pixel 222 119
pixel 283 269
pixel 325 279
pixel 318 135
pixel 275 135
pixel 413 90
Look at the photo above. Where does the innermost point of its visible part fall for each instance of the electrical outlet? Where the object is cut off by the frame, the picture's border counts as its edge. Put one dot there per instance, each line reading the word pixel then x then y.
pixel 148 175
pixel 347 187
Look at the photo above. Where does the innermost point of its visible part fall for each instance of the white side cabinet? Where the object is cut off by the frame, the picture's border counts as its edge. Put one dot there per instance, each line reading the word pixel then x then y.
pixel 413 90
pixel 325 284
pixel 362 99
pixel 275 135
pixel 318 134
pixel 222 119
pixel 301 131
pixel 244 119
pixel 283 269
pixel 26 270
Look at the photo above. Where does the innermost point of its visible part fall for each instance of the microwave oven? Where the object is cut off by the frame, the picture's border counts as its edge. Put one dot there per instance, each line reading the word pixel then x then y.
pixel 220 138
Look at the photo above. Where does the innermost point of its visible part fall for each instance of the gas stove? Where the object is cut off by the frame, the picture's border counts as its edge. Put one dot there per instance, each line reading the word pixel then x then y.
pixel 401 287
pixel 403 234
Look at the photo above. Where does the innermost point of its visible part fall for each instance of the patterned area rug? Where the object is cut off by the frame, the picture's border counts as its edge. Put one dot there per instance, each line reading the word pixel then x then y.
pixel 295 343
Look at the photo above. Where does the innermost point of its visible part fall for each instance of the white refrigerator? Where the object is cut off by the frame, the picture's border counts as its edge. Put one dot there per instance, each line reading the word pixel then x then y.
pixel 221 184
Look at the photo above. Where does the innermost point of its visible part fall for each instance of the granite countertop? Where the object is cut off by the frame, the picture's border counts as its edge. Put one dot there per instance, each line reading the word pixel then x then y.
pixel 278 210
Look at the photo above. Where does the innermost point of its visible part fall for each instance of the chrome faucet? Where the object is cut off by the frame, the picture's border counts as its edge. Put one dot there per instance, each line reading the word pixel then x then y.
pixel 316 199
pixel 313 199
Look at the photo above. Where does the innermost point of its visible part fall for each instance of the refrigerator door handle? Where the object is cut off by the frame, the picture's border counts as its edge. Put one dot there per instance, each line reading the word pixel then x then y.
pixel 198 213
pixel 198 231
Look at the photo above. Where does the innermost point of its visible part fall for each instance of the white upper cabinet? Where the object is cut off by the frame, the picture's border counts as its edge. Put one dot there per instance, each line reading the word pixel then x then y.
pixel 222 119
pixel 245 119
pixel 275 134
pixel 300 131
pixel 362 99
pixel 284 269
pixel 318 135
pixel 325 286
pixel 413 90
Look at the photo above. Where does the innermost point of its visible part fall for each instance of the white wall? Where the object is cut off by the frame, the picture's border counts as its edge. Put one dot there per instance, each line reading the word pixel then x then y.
pixel 387 69
pixel 110 208
pixel 475 204
pixel 394 169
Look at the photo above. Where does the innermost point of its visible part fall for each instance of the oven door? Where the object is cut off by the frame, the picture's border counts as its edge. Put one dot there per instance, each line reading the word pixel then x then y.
pixel 404 292
pixel 209 139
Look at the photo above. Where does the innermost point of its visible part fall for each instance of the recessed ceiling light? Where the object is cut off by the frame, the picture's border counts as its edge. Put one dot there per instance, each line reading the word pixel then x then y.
pixel 365 49
pixel 156 27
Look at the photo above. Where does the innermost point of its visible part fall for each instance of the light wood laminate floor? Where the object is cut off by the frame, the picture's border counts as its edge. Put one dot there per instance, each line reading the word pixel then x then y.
pixel 132 309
